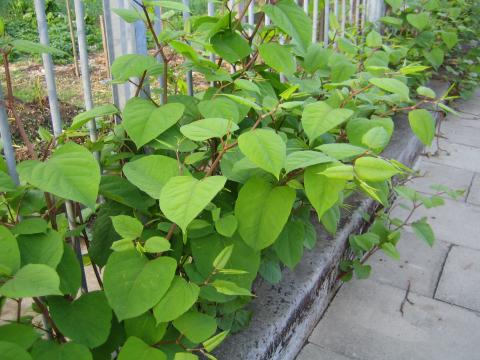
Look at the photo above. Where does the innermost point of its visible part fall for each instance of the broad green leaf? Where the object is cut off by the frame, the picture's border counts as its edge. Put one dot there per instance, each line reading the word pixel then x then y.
pixel 358 128
pixel 376 138
pixel 127 227
pixel 136 349
pixel 310 235
pixel 120 190
pixel 322 191
pixel 157 244
pixel 390 250
pixel 220 107
pixel 131 65
pixel 392 85
pixel 10 254
pixel 20 334
pixel 262 210
pixel 423 125
pixel 69 271
pixel 278 57
pixel 264 148
pixel 143 121
pixel 342 70
pixel 6 182
pixel 392 21
pixel 289 245
pixel 244 101
pixel 341 151
pixel 361 271
pixel 31 47
pixel 196 327
pixel 338 171
pixel 435 57
pixel 230 288
pixel 226 225
pixel 86 320
pixel 71 173
pixel 292 20
pixel 243 84
pixel 183 197
pixel 67 351
pixel 303 159
pixel 419 21
pixel 426 91
pixel 32 280
pixel 369 168
pixel 450 38
pixel 11 351
pixel 395 4
pixel 150 173
pixel 179 298
pixel 30 226
pixel 205 129
pixel 374 39
pixel 230 46
pixel 133 284
pixel 316 58
pixel 319 118
pixel 270 271
pixel 44 248
pixel 97 112
pixel 423 231
pixel 145 328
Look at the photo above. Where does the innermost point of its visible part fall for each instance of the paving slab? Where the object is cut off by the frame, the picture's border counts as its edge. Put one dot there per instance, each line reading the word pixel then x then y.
pixel 364 322
pixel 315 352
pixel 474 193
pixel 460 280
pixel 460 133
pixel 454 178
pixel 420 265
pixel 456 155
pixel 454 222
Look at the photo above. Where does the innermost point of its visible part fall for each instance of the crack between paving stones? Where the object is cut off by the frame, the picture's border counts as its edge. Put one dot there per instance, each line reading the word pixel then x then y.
pixel 441 271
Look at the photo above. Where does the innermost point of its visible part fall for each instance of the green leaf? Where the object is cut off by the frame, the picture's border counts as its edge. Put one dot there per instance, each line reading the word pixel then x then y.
pixel 41 248
pixel 230 46
pixel 413 69
pixel 361 271
pixel 183 197
pixel 316 58
pixel 131 65
pixel 303 159
pixel 157 244
pixel 435 57
pixel 143 121
pixel 69 271
pixel 322 191
pixel 31 47
pixel 71 173
pixel 122 191
pixel 230 288
pixel 395 4
pixel 341 151
pixel 145 328
pixel 423 125
pixel 19 334
pixel 278 57
pixel 450 38
pixel 220 107
pixel 86 320
pixel 6 182
pixel 419 21
pixel 135 349
pixel 292 20
pixel 342 70
pixel 205 129
pixel 289 245
pixel 374 169
pixel 11 351
pixel 358 128
pixel 10 254
pixel 127 227
pixel 390 250
pixel 243 84
pixel 376 138
pixel 67 351
pixel 264 148
pixel 212 343
pixel 319 118
pixel 270 271
pixel 32 280
pixel 197 327
pixel 30 226
pixel 150 173
pixel 423 231
pixel 374 39
pixel 133 284
pixel 185 356
pixel 392 85
pixel 128 15
pixel 338 171
pixel 179 298
pixel 262 210
pixel 244 101
pixel 222 259
pixel 310 235
pixel 170 5
pixel 97 112
pixel 426 91
pixel 226 225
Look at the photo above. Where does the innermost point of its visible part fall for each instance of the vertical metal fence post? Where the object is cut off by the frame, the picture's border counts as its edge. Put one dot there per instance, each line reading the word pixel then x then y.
pixel 351 5
pixel 56 119
pixel 344 16
pixel 251 17
pixel 326 28
pixel 315 21
pixel 357 12
pixel 305 6
pixel 158 27
pixel 335 8
pixel 189 77
pixel 6 137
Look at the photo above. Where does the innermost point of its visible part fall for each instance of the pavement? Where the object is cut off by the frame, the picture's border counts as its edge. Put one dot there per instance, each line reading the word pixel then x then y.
pixel 439 287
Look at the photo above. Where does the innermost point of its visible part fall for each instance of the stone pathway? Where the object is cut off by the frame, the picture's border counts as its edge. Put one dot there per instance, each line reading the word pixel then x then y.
pixel 442 322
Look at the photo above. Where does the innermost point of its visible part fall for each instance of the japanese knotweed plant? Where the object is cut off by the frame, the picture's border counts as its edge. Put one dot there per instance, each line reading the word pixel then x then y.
pixel 200 194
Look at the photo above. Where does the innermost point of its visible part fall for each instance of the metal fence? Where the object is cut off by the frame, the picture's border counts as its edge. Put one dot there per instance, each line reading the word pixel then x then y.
pixel 126 38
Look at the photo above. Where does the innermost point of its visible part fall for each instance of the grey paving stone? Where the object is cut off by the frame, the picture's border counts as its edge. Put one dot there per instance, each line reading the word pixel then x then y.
pixel 364 322
pixel 420 265
pixel 474 193
pixel 458 179
pixel 315 352
pixel 464 120
pixel 460 280
pixel 455 222
pixel 459 133
pixel 456 155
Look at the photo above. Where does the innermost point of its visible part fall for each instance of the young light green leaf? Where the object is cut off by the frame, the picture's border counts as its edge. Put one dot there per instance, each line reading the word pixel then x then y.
pixel 222 258
pixel 197 327
pixel 205 129
pixel 338 171
pixel 230 288
pixel 135 349
pixel 128 227
pixel 32 280
pixel 423 125
pixel 392 85
pixel 145 328
pixel 230 46
pixel 424 231
pixel 97 112
pixel 184 197
pixel 390 250
pixel 31 47
pixel 419 21
pixel 374 39
pixel 265 149
pixel 306 158
pixel 157 244
pixel 131 65
pixel 226 225
pixel 212 343
pixel 426 91
pixel 369 168
pixel 10 254
pixel 278 57
pixel 341 151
